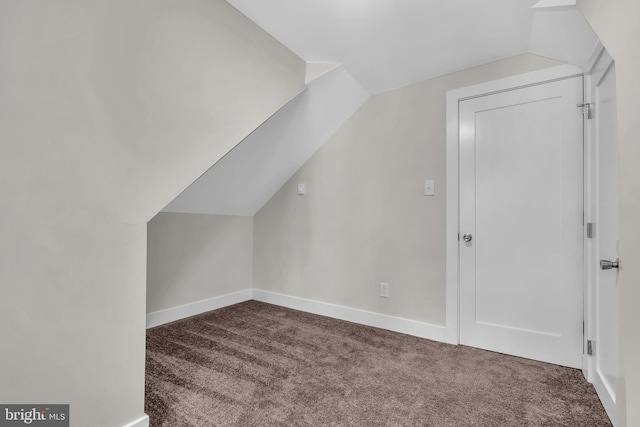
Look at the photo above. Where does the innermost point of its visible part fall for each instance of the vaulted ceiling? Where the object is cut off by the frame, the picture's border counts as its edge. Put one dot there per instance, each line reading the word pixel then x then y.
pixel 385 44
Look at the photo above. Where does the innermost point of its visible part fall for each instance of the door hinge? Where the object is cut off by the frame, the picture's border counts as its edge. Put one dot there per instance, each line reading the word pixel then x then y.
pixel 589 347
pixel 587 110
pixel 591 228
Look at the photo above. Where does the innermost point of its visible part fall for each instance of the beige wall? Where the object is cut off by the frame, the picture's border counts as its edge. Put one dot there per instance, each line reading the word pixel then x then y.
pixel 364 219
pixel 195 257
pixel 617 23
pixel 108 109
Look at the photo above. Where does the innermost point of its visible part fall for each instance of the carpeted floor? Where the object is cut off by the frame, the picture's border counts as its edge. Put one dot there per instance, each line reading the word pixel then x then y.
pixel 255 364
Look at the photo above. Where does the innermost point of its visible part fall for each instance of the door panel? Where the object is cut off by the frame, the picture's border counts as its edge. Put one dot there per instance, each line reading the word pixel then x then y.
pixel 605 241
pixel 521 198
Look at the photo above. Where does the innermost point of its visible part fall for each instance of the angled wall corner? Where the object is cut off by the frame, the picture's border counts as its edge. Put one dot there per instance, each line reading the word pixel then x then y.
pixel 317 69
pixel 246 178
pixel 197 257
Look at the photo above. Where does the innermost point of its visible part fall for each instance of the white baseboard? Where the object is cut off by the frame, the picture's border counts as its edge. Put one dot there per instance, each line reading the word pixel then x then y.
pixel 383 321
pixel 140 422
pixel 180 312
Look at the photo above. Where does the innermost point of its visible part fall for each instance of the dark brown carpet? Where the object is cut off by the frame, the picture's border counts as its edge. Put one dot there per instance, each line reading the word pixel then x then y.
pixel 255 364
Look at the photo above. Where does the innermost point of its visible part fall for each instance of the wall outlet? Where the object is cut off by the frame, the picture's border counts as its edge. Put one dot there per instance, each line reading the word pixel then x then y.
pixel 429 187
pixel 384 290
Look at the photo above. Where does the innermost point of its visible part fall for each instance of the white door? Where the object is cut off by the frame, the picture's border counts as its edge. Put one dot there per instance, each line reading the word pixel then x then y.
pixel 603 245
pixel 521 206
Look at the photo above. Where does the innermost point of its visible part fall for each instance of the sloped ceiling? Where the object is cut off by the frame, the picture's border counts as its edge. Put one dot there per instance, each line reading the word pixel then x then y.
pixel 385 44
pixel 380 45
pixel 246 178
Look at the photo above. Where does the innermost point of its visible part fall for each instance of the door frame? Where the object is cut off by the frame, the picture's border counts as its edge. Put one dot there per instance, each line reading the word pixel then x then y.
pixel 597 67
pixel 588 363
pixel 454 97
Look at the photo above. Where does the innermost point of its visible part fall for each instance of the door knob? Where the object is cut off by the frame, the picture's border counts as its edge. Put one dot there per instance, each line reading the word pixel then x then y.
pixel 608 265
pixel 467 237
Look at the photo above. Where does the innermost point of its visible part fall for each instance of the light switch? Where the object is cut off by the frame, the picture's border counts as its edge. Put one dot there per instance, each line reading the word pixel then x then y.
pixel 429 188
pixel 302 189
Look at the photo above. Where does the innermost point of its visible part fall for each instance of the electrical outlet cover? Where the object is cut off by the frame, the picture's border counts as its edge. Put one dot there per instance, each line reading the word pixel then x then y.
pixel 384 290
pixel 429 187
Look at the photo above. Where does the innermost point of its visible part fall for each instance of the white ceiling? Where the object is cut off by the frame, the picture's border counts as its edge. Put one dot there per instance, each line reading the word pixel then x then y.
pixel 385 44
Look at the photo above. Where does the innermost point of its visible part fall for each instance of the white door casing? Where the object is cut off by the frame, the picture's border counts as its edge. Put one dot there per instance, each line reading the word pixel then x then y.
pixel 521 198
pixel 454 98
pixel 602 168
